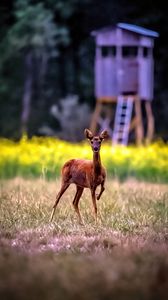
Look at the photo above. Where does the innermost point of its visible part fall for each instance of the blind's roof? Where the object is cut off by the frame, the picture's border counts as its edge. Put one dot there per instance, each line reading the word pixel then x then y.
pixel 138 29
pixel 130 27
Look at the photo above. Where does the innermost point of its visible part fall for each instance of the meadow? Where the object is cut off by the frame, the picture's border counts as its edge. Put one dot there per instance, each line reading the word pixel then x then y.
pixel 123 256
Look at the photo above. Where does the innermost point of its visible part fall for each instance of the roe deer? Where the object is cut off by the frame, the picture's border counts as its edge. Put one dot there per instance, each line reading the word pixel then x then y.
pixel 84 174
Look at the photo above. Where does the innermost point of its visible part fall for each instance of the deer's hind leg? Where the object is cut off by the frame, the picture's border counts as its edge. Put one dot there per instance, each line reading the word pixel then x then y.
pixel 61 192
pixel 79 191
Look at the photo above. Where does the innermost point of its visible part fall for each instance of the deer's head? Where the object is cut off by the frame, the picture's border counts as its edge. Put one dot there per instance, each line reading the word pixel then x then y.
pixel 96 141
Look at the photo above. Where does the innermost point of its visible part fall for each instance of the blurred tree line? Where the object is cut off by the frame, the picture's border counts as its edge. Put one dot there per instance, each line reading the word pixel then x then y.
pixel 47 62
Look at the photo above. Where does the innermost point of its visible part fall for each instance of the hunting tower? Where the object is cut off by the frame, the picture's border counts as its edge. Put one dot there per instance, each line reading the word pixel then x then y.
pixel 124 77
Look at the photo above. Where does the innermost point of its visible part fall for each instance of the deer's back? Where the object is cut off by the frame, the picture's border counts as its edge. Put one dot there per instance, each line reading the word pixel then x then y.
pixel 80 172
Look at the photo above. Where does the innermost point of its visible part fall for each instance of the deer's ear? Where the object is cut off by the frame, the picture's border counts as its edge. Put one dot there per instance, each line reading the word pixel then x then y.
pixel 88 134
pixel 104 134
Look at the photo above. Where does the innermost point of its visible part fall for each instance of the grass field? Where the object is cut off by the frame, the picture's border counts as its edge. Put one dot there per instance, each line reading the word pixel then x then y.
pixel 123 256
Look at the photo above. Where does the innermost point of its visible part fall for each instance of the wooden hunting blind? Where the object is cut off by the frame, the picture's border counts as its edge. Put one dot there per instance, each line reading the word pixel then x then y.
pixel 124 76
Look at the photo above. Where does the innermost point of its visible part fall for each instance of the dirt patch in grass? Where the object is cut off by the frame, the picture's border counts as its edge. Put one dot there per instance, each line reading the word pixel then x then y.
pixel 38 240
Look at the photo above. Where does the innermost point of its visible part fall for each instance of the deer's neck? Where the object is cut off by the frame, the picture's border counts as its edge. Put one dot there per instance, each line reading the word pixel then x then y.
pixel 96 163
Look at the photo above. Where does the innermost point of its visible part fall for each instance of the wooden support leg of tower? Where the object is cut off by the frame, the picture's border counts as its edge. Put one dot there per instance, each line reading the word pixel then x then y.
pixel 133 124
pixel 139 126
pixel 150 122
pixel 95 117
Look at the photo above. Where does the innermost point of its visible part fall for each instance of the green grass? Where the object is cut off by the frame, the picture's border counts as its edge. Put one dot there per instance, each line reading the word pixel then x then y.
pixel 123 256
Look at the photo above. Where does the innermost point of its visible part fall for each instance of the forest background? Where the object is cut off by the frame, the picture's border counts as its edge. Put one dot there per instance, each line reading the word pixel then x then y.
pixel 47 63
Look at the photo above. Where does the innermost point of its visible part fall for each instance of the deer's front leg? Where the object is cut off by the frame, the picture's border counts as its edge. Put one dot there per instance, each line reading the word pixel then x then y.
pixel 101 190
pixel 94 202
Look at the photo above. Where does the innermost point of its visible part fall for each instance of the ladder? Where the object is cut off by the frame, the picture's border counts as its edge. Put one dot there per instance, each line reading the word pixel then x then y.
pixel 122 120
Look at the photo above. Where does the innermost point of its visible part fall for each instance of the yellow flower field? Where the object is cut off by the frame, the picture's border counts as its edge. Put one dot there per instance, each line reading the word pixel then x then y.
pixel 44 157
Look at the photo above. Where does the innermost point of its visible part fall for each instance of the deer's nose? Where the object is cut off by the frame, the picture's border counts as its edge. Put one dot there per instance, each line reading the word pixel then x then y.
pixel 96 149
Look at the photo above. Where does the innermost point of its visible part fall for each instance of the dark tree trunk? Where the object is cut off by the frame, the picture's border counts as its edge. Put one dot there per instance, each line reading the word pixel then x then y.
pixel 62 74
pixel 41 103
pixel 76 63
pixel 27 93
pixel 42 69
